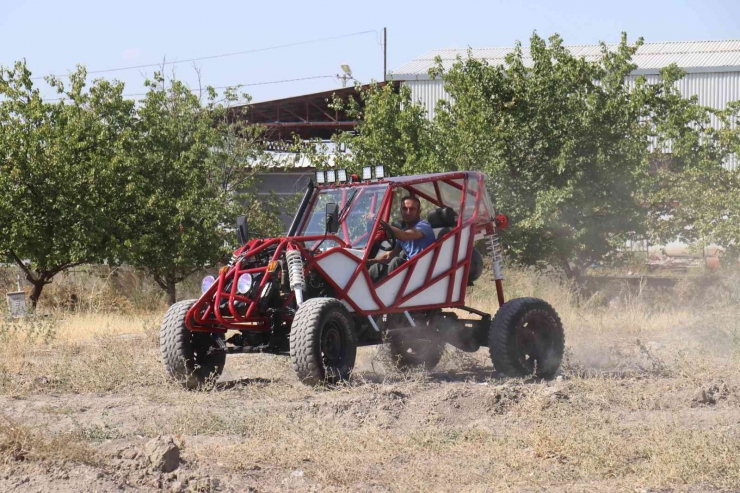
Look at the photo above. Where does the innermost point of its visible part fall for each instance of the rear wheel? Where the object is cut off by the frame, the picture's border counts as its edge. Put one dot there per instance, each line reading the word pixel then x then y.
pixel 186 354
pixel 409 349
pixel 526 338
pixel 322 342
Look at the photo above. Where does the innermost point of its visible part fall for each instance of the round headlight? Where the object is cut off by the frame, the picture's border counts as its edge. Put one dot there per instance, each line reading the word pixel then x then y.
pixel 244 283
pixel 206 283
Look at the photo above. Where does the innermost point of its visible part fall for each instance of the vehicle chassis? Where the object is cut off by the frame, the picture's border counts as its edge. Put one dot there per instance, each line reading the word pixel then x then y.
pixel 290 271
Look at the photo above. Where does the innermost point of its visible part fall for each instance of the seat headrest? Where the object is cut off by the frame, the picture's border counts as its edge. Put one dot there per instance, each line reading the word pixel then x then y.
pixel 442 217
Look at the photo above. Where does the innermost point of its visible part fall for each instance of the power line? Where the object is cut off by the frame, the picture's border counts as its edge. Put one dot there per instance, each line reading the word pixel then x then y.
pixel 210 57
pixel 235 86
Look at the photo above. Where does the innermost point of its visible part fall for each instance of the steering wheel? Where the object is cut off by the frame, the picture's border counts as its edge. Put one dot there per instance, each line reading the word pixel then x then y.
pixel 390 238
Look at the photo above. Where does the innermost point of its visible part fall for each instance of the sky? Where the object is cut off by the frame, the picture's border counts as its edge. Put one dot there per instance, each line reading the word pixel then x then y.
pixel 53 37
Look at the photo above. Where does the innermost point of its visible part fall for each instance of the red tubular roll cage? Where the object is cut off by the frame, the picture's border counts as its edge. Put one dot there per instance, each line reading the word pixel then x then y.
pixel 203 316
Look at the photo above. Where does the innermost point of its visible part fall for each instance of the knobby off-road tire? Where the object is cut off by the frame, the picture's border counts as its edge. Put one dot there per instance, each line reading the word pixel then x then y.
pixel 322 342
pixel 413 352
pixel 526 338
pixel 185 353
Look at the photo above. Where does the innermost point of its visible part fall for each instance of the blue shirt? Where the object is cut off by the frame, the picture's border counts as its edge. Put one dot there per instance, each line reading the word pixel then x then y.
pixel 413 247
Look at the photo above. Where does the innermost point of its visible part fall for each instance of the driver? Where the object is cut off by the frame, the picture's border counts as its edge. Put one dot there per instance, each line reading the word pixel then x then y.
pixel 414 235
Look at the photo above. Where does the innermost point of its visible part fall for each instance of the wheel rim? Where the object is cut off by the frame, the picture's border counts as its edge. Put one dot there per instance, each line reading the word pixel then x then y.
pixel 420 348
pixel 201 345
pixel 534 341
pixel 332 345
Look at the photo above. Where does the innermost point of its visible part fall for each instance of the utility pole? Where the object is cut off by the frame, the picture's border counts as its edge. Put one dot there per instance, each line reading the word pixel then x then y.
pixel 385 54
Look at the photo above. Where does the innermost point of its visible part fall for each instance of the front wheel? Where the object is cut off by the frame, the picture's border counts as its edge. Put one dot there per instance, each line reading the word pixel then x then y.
pixel 322 342
pixel 526 338
pixel 186 354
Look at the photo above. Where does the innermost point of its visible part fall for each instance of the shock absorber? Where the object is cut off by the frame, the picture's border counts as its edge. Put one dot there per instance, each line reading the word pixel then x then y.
pixel 495 251
pixel 294 262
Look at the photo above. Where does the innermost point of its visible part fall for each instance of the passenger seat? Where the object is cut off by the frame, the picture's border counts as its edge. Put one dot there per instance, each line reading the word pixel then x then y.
pixel 442 219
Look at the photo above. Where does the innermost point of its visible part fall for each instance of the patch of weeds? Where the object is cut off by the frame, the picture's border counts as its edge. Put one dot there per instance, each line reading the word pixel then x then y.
pixel 65 410
pixel 34 329
pixel 571 367
pixel 97 433
pixel 657 365
pixel 24 443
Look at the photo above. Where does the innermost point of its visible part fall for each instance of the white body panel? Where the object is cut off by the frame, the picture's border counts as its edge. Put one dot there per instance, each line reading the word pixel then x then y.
pixel 420 272
pixel 339 267
pixel 388 292
pixel 360 294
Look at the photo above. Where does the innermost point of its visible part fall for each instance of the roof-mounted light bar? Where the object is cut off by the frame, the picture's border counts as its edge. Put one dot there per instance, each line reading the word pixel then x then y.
pixel 331 176
pixel 367 172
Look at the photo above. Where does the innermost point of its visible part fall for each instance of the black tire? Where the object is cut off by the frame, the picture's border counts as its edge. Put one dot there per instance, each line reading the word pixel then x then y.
pixel 413 352
pixel 185 353
pixel 526 338
pixel 322 342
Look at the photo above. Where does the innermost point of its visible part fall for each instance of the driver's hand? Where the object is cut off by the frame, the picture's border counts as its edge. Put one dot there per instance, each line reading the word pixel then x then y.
pixel 379 258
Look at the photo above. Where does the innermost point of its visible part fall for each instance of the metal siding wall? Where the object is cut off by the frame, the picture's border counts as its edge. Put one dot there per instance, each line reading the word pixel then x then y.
pixel 713 89
pixel 427 92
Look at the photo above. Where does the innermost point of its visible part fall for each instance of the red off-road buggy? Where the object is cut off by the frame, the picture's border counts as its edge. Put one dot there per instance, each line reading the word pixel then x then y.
pixel 309 293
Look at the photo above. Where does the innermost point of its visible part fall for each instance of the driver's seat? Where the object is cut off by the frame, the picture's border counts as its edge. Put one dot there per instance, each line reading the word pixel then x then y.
pixel 442 220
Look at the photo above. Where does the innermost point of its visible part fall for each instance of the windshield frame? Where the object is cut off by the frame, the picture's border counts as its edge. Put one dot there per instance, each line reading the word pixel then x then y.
pixel 342 195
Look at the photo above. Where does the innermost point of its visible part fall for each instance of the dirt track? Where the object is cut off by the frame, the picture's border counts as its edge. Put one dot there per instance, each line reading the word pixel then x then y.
pixel 457 428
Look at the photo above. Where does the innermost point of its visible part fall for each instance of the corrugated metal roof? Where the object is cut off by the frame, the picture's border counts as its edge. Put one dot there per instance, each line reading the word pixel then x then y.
pixel 692 56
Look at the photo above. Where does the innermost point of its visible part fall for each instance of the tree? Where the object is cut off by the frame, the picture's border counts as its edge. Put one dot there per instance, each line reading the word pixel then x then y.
pixel 63 178
pixel 195 168
pixel 695 197
pixel 566 144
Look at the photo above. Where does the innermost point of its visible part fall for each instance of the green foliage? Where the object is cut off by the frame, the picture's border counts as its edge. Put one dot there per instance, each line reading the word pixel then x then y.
pixel 63 174
pixel 567 143
pixel 693 196
pixel 95 178
pixel 391 131
pixel 195 173
pixel 562 141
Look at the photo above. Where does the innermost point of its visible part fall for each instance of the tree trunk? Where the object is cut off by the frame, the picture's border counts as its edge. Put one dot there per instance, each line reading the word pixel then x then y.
pixel 171 292
pixel 575 275
pixel 569 273
pixel 38 286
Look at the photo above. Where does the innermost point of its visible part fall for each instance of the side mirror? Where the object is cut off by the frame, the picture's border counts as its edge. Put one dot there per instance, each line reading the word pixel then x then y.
pixel 332 217
pixel 242 231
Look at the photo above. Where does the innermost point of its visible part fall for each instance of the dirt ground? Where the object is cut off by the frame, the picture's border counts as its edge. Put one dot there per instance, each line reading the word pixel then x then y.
pixel 648 400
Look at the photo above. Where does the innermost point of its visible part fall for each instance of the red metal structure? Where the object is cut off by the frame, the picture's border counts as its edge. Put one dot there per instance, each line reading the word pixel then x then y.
pixel 307 117
pixel 276 289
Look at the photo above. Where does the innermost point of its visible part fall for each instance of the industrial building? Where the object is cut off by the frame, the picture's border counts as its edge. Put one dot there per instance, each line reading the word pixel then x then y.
pixel 712 75
pixel 712 68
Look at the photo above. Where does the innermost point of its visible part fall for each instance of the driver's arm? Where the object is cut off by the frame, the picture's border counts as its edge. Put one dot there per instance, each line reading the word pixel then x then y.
pixel 385 257
pixel 407 234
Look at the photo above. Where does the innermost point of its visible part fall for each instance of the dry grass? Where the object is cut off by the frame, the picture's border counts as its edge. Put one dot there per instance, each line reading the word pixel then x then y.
pixel 24 443
pixel 648 400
